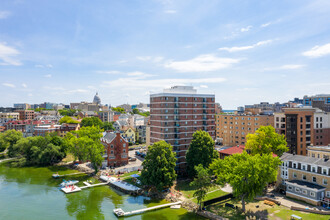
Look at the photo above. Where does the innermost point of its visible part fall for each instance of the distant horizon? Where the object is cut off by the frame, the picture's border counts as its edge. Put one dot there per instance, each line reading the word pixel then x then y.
pixel 243 52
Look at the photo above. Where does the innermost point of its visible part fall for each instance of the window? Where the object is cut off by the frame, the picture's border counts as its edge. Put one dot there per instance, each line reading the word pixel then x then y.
pixel 111 152
pixel 312 194
pixel 304 167
pixel 124 145
pixel 303 177
pixel 325 182
pixel 297 190
pixel 294 175
pixel 304 192
pixel 314 169
pixel 314 179
pixel 328 193
pixel 111 146
pixel 289 187
pixel 324 171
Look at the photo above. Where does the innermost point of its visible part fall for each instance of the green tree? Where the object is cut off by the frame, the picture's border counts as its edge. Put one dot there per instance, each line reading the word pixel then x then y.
pixel 201 151
pixel 92 121
pixel 158 166
pixel 202 182
pixel 9 138
pixel 68 120
pixel 118 109
pixel 107 126
pixel 67 112
pixel 85 144
pixel 247 174
pixel 265 140
pixel 135 111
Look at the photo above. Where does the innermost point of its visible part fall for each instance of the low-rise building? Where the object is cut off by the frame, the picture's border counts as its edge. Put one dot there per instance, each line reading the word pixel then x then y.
pixel 42 130
pixel 230 151
pixel 129 134
pixel 116 147
pixel 67 127
pixel 11 115
pixel 319 151
pixel 306 178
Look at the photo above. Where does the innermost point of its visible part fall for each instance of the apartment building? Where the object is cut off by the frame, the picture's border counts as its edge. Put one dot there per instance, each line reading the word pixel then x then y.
pixel 66 128
pixel 26 114
pixel 106 116
pixel 11 115
pixel 306 178
pixel 42 130
pixel 22 106
pixel 321 101
pixel 116 149
pixel 319 151
pixel 176 114
pixel 231 130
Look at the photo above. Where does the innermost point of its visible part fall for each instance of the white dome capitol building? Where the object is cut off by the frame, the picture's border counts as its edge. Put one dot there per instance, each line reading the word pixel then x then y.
pixel 97 99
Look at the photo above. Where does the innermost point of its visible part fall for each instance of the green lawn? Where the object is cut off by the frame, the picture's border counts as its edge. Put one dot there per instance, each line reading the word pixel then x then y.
pixel 263 212
pixel 128 175
pixel 212 195
pixel 187 190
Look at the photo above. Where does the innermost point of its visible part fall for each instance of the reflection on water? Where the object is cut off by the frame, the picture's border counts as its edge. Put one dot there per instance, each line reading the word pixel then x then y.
pixel 31 193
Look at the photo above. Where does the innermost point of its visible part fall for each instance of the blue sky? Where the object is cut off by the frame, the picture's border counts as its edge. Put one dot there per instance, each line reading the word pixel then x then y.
pixel 243 51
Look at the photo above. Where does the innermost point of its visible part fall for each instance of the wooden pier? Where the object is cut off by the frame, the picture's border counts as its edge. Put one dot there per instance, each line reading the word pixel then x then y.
pixel 69 189
pixel 119 212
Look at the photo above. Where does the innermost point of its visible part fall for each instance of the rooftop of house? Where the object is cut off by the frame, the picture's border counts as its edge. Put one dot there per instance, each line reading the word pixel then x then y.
pixel 233 150
pixel 305 184
pixel 305 159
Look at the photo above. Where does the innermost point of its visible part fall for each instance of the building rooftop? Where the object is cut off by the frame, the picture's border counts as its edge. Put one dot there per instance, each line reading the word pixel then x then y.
pixel 305 159
pixel 305 184
pixel 233 150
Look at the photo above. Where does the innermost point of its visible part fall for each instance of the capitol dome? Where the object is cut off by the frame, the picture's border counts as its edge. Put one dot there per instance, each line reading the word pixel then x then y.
pixel 97 99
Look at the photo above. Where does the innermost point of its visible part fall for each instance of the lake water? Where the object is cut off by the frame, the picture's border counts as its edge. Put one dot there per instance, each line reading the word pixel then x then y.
pixel 31 193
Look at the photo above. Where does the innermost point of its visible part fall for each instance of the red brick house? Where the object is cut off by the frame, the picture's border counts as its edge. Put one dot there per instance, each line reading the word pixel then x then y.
pixel 116 149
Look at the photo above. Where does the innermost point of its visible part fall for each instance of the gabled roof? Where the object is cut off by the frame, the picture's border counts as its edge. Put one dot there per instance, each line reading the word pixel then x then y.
pixel 233 150
pixel 108 137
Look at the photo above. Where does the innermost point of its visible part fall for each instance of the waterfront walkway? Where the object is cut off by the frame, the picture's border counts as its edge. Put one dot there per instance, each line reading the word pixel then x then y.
pixel 8 159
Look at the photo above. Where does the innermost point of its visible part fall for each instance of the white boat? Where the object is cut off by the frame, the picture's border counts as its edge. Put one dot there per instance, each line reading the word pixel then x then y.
pixel 68 183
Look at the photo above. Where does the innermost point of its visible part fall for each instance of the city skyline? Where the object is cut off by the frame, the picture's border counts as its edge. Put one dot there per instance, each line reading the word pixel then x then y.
pixel 243 52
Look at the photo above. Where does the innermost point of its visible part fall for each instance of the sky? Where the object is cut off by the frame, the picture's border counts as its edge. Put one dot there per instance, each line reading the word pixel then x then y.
pixel 243 51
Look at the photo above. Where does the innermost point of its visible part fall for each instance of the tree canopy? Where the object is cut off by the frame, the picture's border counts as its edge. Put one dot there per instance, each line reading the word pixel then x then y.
pixel 9 138
pixel 202 182
pixel 85 144
pixel 69 120
pixel 92 121
pixel 118 109
pixel 201 151
pixel 247 174
pixel 39 150
pixel 158 166
pixel 107 126
pixel 265 140
pixel 67 112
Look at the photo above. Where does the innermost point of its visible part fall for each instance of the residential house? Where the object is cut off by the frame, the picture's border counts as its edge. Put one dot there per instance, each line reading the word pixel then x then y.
pixel 141 134
pixel 67 127
pixel 129 134
pixel 116 147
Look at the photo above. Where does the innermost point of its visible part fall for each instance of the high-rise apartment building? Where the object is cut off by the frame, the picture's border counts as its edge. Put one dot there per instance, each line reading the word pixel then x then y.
pixel 321 101
pixel 176 114
pixel 303 127
pixel 232 128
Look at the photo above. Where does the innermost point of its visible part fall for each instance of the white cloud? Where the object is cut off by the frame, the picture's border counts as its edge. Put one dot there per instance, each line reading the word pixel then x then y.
pixel 318 51
pixel 204 86
pixel 235 49
pixel 9 85
pixel 24 85
pixel 170 11
pixel 202 63
pixel 133 83
pixel 265 25
pixel 54 88
pixel 108 72
pixel 139 75
pixel 291 66
pixel 149 58
pixel 4 14
pixel 48 75
pixel 246 28
pixel 8 54
pixel 43 66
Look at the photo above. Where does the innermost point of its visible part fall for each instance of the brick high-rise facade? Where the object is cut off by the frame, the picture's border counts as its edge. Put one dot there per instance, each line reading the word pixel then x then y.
pixel 116 147
pixel 176 114
pixel 25 114
pixel 232 129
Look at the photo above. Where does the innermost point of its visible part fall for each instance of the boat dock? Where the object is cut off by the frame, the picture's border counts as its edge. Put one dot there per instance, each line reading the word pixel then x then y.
pixel 121 185
pixel 119 212
pixel 74 188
